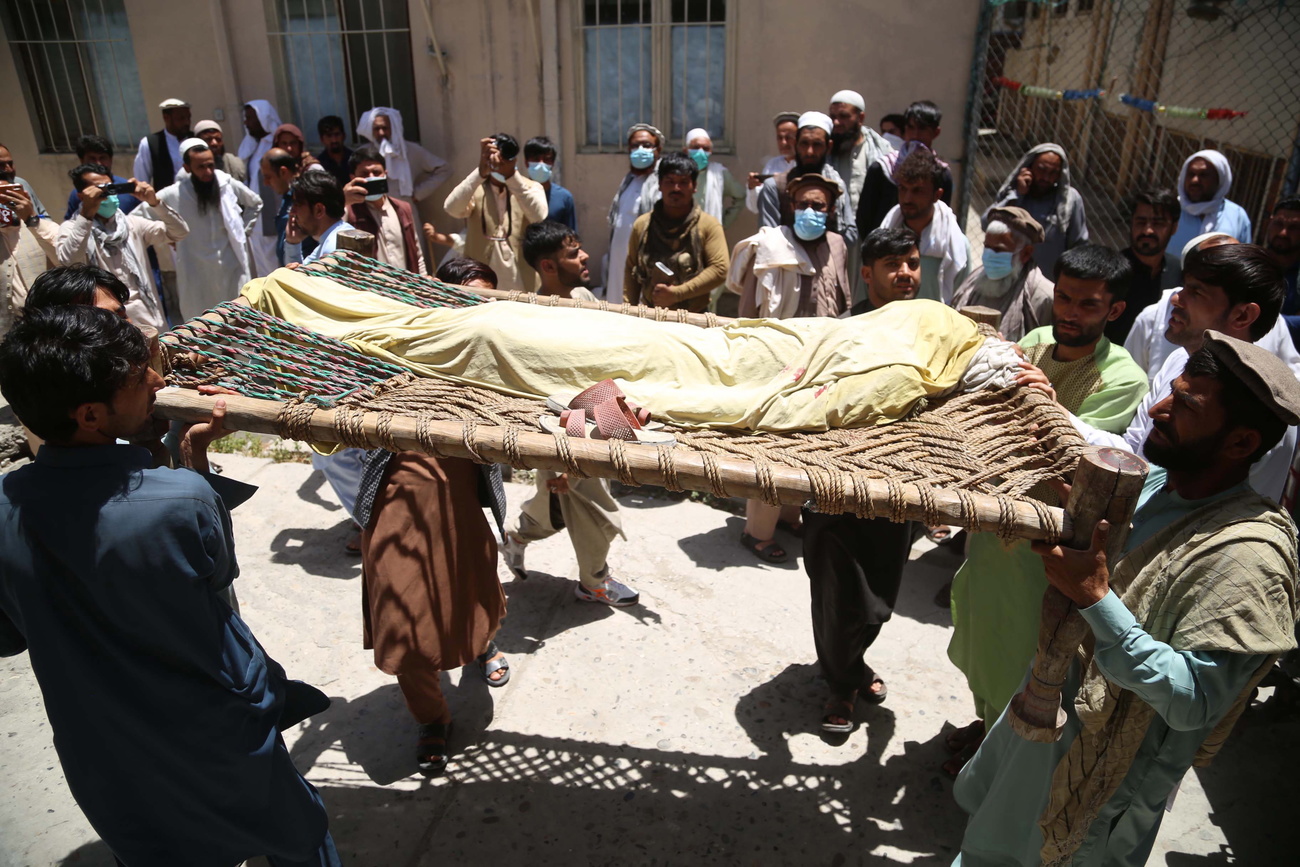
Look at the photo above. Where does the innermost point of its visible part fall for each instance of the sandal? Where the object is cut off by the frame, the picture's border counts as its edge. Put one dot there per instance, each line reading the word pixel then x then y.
pixel 489 666
pixel 939 533
pixel 793 529
pixel 767 551
pixel 838 709
pixel 603 412
pixel 957 739
pixel 431 761
pixel 871 696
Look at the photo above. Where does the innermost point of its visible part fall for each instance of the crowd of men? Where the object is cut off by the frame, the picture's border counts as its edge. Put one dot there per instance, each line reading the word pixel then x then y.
pixel 1180 347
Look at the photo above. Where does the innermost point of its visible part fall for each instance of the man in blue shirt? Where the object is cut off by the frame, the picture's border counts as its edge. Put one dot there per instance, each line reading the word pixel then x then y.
pixel 539 154
pixel 317 212
pixel 96 150
pixel 165 709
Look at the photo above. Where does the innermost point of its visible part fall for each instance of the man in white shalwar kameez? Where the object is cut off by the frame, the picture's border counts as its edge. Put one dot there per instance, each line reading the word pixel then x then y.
pixel 212 262
pixel 260 121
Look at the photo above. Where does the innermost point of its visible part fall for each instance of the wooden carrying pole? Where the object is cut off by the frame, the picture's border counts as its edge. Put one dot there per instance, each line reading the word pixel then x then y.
pixel 628 462
pixel 1106 485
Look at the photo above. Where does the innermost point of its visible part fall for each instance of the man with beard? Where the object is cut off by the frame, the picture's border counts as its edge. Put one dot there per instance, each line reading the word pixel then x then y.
pixel 1203 186
pixel 101 235
pixel 334 154
pixel 1040 183
pixel 210 132
pixel 279 170
pixel 212 260
pixel 997 593
pixel 1152 223
pixel 855 565
pixel 812 146
pixel 159 154
pixel 945 252
pixel 677 254
pixel 19 207
pixel 1007 278
pixel 1282 240
pixel 1235 289
pixel 1183 625
pixel 921 126
pixel 260 118
pixel 854 145
pixel 582 506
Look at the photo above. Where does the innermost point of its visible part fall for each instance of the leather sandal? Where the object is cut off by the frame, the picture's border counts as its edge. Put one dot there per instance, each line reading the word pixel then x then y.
pixel 489 666
pixel 432 751
pixel 766 550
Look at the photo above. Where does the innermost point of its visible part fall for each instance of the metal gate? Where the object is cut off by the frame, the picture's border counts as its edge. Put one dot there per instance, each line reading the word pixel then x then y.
pixel 1130 89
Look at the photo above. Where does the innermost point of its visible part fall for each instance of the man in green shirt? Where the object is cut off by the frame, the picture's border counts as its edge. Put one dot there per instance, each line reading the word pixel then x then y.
pixel 997 594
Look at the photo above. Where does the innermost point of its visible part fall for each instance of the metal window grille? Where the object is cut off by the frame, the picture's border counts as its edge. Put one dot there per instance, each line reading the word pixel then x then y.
pixel 665 62
pixel 1197 54
pixel 77 69
pixel 343 57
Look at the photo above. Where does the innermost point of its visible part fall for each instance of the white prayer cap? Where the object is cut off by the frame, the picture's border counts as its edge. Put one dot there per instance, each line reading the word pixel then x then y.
pixel 205 125
pixel 698 132
pixel 192 142
pixel 850 97
pixel 819 119
pixel 1201 239
pixel 173 103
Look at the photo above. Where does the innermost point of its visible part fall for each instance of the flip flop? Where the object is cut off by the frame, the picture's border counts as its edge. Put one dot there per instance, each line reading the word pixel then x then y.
pixel 767 551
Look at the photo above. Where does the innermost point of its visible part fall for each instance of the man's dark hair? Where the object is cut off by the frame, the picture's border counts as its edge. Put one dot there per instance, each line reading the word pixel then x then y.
pixel 367 153
pixel 57 358
pixel 1097 262
pixel 884 242
pixel 462 269
pixel 546 239
pixel 93 144
pixel 1287 203
pixel 1246 274
pixel 678 164
pixel 897 120
pixel 185 157
pixel 920 165
pixel 78 174
pixel 539 146
pixel 925 113
pixel 507 145
pixel 73 284
pixel 328 123
pixel 283 160
pixel 319 188
pixel 1241 407
pixel 1162 200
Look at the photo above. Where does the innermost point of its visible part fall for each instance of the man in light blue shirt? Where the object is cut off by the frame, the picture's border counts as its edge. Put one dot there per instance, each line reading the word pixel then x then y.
pixel 317 210
pixel 1203 186
pixel 1190 618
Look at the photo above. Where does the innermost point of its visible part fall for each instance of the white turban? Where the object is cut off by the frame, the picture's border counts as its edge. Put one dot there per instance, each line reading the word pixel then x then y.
pixel 1215 202
pixel 850 97
pixel 819 119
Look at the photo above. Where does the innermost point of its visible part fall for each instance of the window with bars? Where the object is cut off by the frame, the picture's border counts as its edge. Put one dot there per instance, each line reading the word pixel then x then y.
pixel 344 57
pixel 664 62
pixel 76 66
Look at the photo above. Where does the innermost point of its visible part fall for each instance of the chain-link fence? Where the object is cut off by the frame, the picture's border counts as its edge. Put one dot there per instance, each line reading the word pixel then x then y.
pixel 1166 69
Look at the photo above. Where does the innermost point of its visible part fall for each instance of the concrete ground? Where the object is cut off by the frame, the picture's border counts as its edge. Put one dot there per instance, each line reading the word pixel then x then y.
pixel 683 730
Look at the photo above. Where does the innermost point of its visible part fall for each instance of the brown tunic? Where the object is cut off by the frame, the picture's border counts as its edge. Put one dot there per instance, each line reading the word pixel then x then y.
pixel 429 580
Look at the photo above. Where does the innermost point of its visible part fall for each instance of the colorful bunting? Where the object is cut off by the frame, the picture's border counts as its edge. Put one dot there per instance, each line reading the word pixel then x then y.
pixel 1177 110
pixel 1047 92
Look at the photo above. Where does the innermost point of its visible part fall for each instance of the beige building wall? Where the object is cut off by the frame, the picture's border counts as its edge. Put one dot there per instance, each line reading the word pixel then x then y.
pixel 786 56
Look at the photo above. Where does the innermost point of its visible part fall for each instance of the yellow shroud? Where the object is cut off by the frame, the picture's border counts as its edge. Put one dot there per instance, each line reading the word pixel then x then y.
pixel 755 374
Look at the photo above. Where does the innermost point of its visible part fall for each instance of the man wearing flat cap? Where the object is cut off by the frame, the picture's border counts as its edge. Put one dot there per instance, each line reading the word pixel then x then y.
pixel 1184 625
pixel 1007 278
pixel 159 156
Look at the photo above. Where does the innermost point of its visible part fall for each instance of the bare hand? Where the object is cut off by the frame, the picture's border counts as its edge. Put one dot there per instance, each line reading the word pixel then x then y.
pixel 307 160
pixel 664 295
pixel 18 200
pixel 293 234
pixel 487 147
pixel 1083 576
pixel 195 442
pixel 1035 378
pixel 440 238
pixel 355 192
pixel 1024 178
pixel 146 192
pixel 559 484
pixel 501 165
pixel 754 181
pixel 91 198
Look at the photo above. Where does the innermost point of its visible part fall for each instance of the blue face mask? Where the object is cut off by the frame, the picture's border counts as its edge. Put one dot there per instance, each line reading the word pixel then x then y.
pixel 108 207
pixel 809 225
pixel 642 157
pixel 498 177
pixel 997 264
pixel 540 172
pixel 701 157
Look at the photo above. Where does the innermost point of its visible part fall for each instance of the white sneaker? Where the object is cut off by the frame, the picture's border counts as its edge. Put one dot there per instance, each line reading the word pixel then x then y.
pixel 611 592
pixel 513 553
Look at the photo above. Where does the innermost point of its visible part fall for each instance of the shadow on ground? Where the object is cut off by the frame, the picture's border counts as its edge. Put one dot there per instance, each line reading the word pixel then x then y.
pixel 720 548
pixel 318 551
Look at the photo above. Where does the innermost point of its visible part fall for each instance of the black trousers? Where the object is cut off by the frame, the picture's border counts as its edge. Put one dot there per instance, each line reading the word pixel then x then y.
pixel 855 567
